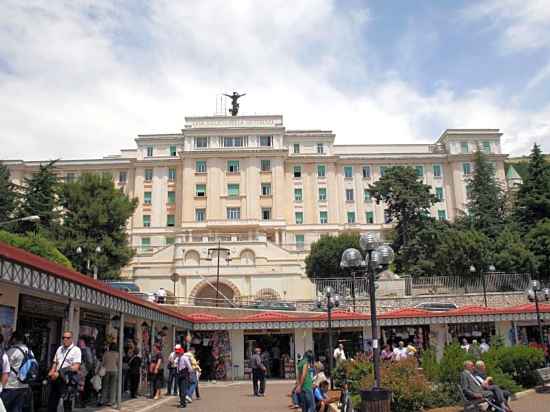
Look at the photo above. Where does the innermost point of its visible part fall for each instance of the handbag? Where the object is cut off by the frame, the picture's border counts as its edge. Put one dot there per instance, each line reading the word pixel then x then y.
pixel 96 382
pixel 101 371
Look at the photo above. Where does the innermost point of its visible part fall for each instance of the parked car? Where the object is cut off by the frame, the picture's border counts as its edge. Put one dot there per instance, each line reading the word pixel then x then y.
pixel 126 286
pixel 273 305
pixel 436 306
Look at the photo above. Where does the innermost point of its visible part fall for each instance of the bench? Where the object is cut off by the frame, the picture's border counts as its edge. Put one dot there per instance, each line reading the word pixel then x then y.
pixel 544 377
pixel 470 405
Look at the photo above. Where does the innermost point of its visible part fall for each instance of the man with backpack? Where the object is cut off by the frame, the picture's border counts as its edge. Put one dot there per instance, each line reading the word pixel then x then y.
pixel 4 371
pixel 21 361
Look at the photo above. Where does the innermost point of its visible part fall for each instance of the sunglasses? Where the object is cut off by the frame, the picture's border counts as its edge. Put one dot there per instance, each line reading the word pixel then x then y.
pixel 67 337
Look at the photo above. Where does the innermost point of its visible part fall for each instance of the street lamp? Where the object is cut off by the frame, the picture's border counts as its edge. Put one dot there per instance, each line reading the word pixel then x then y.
pixel 377 257
pixel 533 296
pixel 218 250
pixel 333 301
pixel 33 218
pixel 174 277
pixel 97 250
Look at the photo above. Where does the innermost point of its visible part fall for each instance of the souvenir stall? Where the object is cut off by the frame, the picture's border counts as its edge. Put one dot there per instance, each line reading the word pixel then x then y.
pixel 277 351
pixel 418 336
pixel 471 331
pixel 213 351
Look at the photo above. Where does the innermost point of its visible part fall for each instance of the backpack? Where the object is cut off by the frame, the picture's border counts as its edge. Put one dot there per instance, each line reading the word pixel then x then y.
pixel 28 371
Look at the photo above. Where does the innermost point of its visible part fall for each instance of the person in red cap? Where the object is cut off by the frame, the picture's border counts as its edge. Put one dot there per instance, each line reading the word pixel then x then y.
pixel 184 371
pixel 172 372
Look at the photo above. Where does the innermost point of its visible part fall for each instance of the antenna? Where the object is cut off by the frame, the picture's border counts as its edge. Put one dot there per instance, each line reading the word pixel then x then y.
pixel 221 105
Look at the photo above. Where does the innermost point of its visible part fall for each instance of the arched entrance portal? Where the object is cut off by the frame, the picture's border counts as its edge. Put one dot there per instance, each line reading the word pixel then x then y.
pixel 204 294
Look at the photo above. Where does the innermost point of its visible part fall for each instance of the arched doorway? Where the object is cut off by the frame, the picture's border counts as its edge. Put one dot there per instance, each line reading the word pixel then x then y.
pixel 204 294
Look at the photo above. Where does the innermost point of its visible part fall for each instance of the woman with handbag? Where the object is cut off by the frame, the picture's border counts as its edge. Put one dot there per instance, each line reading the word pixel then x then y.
pixel 156 372
pixel 134 368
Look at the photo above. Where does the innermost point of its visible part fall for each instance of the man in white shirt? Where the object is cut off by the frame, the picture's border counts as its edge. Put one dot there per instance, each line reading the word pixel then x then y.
pixel 66 361
pixel 465 345
pixel 161 295
pixel 400 352
pixel 484 347
pixel 173 372
pixel 339 354
pixel 4 371
pixel 15 392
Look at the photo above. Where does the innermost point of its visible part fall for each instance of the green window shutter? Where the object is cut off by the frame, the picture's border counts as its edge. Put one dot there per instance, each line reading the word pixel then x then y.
pixel 351 217
pixel 366 195
pixel 233 190
pixel 298 195
pixel 322 193
pixel 299 216
pixel 321 170
pixel 146 220
pixel 439 193
pixel 147 198
pixel 370 217
pixel 441 215
pixel 171 198
pixel 348 171
pixel 419 171
pixel 437 170
pixel 323 217
pixel 171 220
pixel 173 150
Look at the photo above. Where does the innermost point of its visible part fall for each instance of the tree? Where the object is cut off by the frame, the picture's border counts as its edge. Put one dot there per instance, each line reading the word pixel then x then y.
pixel 324 256
pixel 41 197
pixel 533 197
pixel 408 201
pixel 95 213
pixel 511 254
pixel 37 244
pixel 458 249
pixel 8 195
pixel 538 241
pixel 486 202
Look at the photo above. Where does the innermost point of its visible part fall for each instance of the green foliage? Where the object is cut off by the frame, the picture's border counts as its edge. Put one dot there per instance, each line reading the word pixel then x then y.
pixel 452 364
pixel 458 249
pixel 40 197
pixel 36 244
pixel 511 254
pixel 408 201
pixel 324 257
pixel 353 372
pixel 8 195
pixel 533 197
pixel 516 362
pixel 95 213
pixel 538 241
pixel 429 364
pixel 486 199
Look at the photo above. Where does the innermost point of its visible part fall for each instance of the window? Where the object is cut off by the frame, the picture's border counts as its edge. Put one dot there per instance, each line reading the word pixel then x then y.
pixel 441 215
pixel 348 172
pixel 171 198
pixel 146 198
pixel 320 148
pixel 296 147
pixel 200 166
pixel 200 190
pixel 387 217
pixel 69 178
pixel 148 175
pixel 366 195
pixel 323 217
pixel 366 172
pixel 171 220
pixel 149 151
pixel 233 141
pixel 233 213
pixel 437 170
pixel 297 171
pixel 464 147
pixel 233 166
pixel 486 147
pixel 200 214
pixel 266 141
pixel 146 220
pixel 468 192
pixel 170 240
pixel 201 142
pixel 233 190
pixel 145 244
pixel 351 217
pixel 266 189
pixel 173 150
pixel 300 240
pixel 266 213
pixel 382 170
pixel 265 165
pixel 439 193
pixel 466 169
pixel 122 176
pixel 369 216
pixel 297 195
pixel 322 194
pixel 172 174
pixel 419 171
pixel 299 217
pixel 349 195
pixel 321 171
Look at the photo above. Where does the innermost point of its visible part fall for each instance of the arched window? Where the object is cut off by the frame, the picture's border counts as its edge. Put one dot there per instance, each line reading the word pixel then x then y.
pixel 248 257
pixel 192 258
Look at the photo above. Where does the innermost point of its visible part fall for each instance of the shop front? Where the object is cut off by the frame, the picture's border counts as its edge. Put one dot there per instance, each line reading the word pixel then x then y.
pixel 472 331
pixel 528 333
pixel 277 352
pixel 352 339
pixel 417 335
pixel 213 351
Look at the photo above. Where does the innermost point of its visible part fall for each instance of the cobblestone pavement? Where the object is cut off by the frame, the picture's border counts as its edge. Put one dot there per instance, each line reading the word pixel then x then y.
pixel 535 402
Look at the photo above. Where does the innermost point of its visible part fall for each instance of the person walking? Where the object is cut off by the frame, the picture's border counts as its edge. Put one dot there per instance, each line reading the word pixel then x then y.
pixel 4 371
pixel 134 368
pixel 156 372
pixel 110 380
pixel 258 373
pixel 15 392
pixel 66 363
pixel 184 370
pixel 304 383
pixel 193 376
pixel 339 354
pixel 172 372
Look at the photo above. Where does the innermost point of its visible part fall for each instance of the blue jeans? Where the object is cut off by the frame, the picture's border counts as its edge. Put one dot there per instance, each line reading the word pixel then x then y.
pixel 308 402
pixel 296 399
pixel 172 381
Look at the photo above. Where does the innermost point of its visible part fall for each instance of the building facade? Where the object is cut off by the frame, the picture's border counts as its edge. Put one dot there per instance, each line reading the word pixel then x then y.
pixel 249 196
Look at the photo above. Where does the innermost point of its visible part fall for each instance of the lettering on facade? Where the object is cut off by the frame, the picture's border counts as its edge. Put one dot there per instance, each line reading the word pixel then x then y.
pixel 227 122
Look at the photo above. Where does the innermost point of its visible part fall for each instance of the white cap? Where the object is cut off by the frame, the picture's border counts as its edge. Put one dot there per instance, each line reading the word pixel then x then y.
pixel 178 346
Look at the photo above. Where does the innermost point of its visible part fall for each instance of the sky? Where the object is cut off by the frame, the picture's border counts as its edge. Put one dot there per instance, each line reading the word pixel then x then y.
pixel 81 79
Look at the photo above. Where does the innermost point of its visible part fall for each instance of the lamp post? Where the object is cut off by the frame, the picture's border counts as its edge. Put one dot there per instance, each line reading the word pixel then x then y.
pixel 377 256
pixel 97 250
pixel 33 218
pixel 218 250
pixel 333 301
pixel 174 277
pixel 533 296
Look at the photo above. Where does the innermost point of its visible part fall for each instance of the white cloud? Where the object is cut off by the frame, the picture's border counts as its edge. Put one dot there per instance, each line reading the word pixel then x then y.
pixel 82 79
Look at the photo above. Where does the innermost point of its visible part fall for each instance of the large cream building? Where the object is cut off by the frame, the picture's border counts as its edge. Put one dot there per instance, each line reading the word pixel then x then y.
pixel 264 194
